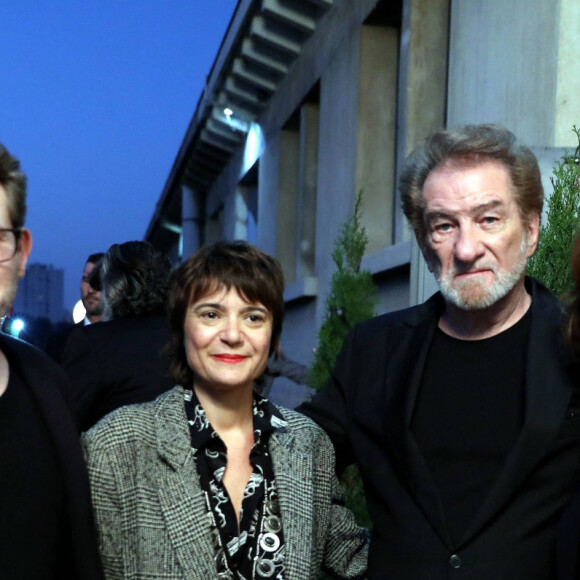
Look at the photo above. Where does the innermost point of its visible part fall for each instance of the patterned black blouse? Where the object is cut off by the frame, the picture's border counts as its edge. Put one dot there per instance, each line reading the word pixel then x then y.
pixel 258 551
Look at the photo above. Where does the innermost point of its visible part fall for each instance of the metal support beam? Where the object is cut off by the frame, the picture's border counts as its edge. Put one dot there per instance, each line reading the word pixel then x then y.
pixel 254 52
pixel 290 13
pixel 241 70
pixel 275 35
pixel 220 130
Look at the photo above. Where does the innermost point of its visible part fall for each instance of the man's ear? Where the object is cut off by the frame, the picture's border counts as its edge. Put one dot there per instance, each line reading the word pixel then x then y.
pixel 533 233
pixel 24 251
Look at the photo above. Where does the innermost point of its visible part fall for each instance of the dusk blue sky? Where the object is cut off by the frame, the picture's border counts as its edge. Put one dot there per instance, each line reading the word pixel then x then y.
pixel 95 99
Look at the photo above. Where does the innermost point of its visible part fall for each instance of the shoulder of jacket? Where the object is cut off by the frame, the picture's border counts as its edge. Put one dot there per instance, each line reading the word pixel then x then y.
pixel 123 427
pixel 302 426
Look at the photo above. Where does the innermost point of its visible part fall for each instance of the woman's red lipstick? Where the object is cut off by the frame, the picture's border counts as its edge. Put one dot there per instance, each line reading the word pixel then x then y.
pixel 229 358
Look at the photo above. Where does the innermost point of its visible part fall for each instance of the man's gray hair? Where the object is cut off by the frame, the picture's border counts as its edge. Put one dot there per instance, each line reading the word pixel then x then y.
pixel 470 146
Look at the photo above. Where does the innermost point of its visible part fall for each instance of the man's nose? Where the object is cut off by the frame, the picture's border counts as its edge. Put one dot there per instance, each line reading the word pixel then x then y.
pixel 468 244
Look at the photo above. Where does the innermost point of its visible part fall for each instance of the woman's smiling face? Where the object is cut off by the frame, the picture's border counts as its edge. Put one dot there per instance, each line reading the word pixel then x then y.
pixel 226 340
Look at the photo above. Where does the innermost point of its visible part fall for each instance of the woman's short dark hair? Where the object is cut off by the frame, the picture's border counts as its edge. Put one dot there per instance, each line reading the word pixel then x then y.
pixel 256 276
pixel 573 328
pixel 470 146
pixel 135 280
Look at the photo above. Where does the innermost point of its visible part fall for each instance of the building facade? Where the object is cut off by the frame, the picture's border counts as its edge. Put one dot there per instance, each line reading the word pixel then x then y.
pixel 311 101
pixel 41 293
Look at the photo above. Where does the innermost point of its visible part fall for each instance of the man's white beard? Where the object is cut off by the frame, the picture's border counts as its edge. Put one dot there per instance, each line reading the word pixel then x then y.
pixel 476 294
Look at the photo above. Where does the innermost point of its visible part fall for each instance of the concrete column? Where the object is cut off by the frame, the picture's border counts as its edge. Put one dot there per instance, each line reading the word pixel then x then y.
pixel 307 181
pixel 241 214
pixel 421 106
pixel 215 226
pixel 288 168
pixel 377 114
pixel 568 83
pixel 337 156
pixel 191 221
pixel 509 75
pixel 268 196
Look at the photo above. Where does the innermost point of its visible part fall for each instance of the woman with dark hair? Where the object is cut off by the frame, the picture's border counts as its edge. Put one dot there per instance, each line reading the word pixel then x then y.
pixel 211 480
pixel 118 362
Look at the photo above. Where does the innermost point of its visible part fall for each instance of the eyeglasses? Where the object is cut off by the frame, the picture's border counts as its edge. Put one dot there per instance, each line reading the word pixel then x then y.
pixel 9 242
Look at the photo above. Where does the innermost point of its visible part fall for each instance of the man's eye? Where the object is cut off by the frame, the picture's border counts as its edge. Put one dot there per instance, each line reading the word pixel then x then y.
pixel 489 219
pixel 442 228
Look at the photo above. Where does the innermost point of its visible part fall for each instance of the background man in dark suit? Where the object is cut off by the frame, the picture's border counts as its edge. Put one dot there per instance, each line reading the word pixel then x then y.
pixel 90 296
pixel 118 361
pixel 46 528
pixel 462 412
pixel 91 299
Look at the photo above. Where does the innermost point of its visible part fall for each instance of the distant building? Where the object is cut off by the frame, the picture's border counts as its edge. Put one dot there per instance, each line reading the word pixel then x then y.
pixel 41 293
pixel 310 101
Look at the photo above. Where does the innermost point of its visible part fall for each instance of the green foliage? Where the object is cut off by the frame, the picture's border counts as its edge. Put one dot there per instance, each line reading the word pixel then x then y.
pixel 355 496
pixel 349 301
pixel 551 262
pixel 350 298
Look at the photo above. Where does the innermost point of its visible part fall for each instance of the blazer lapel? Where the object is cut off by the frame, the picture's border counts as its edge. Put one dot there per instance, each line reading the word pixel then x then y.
pixel 293 471
pixel 181 497
pixel 549 387
pixel 407 353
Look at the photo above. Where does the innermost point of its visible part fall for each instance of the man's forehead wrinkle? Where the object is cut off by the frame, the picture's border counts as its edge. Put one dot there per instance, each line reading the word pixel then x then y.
pixel 476 208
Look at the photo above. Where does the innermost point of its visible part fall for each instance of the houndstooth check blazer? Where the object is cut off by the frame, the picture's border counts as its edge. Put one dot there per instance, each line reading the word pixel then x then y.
pixel 150 509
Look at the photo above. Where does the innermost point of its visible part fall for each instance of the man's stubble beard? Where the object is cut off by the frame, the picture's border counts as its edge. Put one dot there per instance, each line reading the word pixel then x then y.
pixel 475 294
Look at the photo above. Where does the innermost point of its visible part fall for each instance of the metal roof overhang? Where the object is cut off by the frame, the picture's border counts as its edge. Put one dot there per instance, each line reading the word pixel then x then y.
pixel 262 41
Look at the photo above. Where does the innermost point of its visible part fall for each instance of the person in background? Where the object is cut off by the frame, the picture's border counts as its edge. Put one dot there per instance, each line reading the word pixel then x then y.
pixel 90 297
pixel 211 480
pixel 46 528
pixel 460 412
pixel 118 361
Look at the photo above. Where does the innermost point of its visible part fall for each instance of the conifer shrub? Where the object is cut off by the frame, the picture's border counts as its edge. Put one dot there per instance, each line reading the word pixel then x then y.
pixel 350 300
pixel 551 262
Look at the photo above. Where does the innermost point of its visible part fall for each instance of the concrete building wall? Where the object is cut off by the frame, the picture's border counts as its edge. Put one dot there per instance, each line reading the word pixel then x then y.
pixel 41 293
pixel 509 74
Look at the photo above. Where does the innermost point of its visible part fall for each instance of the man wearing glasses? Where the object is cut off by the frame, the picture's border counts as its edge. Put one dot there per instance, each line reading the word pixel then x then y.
pixel 46 529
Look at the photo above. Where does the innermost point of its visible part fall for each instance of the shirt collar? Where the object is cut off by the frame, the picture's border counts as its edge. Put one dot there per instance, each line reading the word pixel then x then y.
pixel 266 416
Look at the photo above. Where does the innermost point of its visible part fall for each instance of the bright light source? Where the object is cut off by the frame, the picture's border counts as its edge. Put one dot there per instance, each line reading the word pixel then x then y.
pixel 228 112
pixel 17 325
pixel 79 312
pixel 254 147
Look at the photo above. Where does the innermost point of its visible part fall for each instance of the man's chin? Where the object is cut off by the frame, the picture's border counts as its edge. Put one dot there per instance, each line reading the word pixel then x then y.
pixel 474 295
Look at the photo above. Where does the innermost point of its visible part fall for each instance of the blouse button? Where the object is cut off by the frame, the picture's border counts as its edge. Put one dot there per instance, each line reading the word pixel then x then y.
pixel 265 568
pixel 273 524
pixel 270 542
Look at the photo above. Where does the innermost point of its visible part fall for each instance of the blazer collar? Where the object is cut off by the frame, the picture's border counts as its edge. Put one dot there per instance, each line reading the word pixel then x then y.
pixel 293 469
pixel 181 498
pixel 408 348
pixel 549 385
pixel 549 377
pixel 173 441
